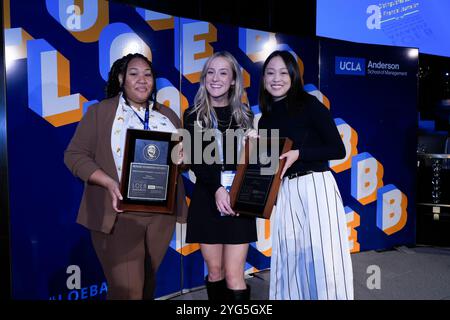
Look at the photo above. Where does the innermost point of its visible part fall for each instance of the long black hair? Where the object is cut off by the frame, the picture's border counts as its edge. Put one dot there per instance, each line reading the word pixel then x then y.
pixel 296 93
pixel 120 67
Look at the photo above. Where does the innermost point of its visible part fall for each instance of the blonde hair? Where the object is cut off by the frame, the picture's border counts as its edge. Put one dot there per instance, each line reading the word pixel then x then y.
pixel 241 112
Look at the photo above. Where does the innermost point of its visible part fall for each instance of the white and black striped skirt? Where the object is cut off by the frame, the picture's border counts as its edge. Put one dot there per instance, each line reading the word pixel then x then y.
pixel 310 251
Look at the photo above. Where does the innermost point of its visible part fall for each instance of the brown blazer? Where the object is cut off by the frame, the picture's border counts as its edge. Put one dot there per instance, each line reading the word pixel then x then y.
pixel 90 149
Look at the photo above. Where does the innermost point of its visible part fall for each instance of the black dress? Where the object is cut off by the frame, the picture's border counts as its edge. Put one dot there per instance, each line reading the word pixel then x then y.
pixel 205 223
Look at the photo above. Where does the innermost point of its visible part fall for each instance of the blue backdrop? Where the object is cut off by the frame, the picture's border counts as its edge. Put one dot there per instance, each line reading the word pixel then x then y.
pixel 57 67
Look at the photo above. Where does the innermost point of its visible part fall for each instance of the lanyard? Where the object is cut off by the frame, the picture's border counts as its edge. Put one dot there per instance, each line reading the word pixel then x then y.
pixel 144 122
pixel 219 139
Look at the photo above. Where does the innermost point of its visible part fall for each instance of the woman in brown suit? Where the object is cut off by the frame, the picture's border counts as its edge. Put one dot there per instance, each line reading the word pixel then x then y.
pixel 129 245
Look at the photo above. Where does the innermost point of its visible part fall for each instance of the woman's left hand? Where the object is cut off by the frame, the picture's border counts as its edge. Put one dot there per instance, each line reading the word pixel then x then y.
pixel 251 133
pixel 179 154
pixel 223 202
pixel 291 157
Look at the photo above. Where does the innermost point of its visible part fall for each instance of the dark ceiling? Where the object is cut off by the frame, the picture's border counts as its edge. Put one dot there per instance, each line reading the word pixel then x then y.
pixel 268 15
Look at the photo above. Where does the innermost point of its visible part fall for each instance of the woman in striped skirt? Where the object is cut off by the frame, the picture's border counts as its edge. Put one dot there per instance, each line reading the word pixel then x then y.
pixel 310 252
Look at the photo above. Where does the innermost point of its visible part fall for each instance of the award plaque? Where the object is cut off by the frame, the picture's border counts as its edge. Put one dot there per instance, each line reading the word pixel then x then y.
pixel 257 180
pixel 149 177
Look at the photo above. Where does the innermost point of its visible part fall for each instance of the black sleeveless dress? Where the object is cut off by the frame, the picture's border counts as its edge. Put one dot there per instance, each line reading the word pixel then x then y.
pixel 205 223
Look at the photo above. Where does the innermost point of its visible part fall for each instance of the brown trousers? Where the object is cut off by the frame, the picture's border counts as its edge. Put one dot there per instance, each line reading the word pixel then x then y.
pixel 131 254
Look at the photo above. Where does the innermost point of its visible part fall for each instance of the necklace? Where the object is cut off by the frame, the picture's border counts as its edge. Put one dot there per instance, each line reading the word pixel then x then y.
pixel 224 121
pixel 219 139
pixel 229 123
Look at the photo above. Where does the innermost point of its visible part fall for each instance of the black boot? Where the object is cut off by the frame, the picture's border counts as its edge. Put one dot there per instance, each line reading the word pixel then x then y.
pixel 216 290
pixel 239 295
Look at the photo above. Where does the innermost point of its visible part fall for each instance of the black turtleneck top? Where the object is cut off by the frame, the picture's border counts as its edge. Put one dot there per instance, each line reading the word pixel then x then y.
pixel 312 130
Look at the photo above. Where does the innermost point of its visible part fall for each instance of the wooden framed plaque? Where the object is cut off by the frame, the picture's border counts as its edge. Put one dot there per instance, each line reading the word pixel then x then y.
pixel 257 180
pixel 149 177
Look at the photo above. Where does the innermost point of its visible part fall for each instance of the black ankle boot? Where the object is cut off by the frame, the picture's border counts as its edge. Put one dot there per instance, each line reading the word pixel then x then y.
pixel 216 290
pixel 239 295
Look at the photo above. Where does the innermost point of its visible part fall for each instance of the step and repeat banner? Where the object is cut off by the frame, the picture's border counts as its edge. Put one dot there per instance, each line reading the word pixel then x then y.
pixel 58 55
pixel 372 93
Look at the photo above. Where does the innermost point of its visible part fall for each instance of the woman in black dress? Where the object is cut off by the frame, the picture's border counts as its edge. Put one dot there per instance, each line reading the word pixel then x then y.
pixel 223 236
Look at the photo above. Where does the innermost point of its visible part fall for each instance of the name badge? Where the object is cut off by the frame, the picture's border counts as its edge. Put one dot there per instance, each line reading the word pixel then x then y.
pixel 226 179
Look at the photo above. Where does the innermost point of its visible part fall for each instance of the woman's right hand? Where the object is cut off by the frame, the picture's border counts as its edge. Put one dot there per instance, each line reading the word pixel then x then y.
pixel 223 202
pixel 99 177
pixel 114 192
